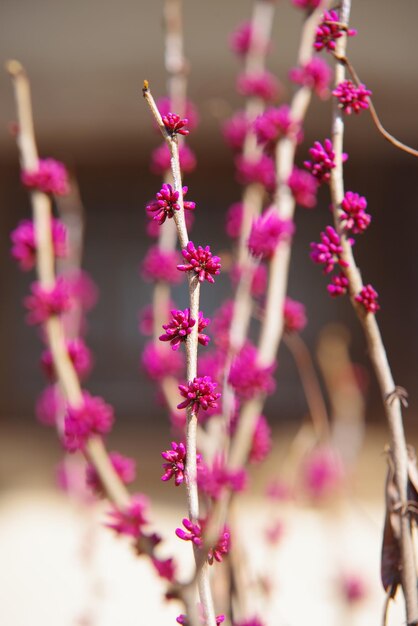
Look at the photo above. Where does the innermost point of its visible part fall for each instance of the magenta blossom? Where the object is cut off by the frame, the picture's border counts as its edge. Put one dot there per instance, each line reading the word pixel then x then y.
pixel 24 244
pixel 294 316
pixel 307 5
pixel 322 473
pixel 159 362
pixel 165 569
pixel 182 619
pixel 368 299
pixel 93 417
pixel 123 466
pixel 328 252
pixel 175 125
pixel 44 303
pixel 222 547
pixel 254 621
pixel 49 406
pixel 166 202
pixel 315 74
pixel 263 85
pixel 161 163
pixel 329 30
pixel 267 231
pixel 304 187
pixel 180 327
pixel 338 285
pixel 160 265
pixel 261 442
pixel 274 124
pixel 353 588
pixel 199 393
pixel 234 217
pixel 51 176
pixel 243 38
pixel 175 463
pixel 83 289
pixel 352 98
pixel 131 521
pixel 164 107
pixel 202 261
pixel 192 533
pixel 261 171
pixel 235 130
pixel 322 161
pixel 80 356
pixel 214 480
pixel 279 490
pixel 247 377
pixel 353 213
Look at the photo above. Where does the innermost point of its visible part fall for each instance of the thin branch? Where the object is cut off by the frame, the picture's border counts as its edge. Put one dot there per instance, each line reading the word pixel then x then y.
pixel 376 347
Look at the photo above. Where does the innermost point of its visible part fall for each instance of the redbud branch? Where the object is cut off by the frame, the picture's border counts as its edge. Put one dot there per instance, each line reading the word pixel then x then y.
pixel 376 347
pixel 386 134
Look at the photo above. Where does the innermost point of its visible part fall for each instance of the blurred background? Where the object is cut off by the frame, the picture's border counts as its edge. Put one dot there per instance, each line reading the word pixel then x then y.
pixel 86 61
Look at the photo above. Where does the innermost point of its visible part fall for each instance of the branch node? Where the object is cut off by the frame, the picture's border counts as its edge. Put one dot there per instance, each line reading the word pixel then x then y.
pixel 399 393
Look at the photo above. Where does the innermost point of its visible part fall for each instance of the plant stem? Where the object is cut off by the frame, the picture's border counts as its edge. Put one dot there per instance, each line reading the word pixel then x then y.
pixel 376 347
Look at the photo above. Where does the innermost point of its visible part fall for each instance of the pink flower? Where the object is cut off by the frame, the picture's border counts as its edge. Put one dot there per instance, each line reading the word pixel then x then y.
pixel 44 303
pixel 247 377
pixel 322 161
pixel 194 532
pixel 235 130
pixel 180 326
pixel 93 417
pixel 164 106
pixel 353 588
pixel 234 218
pixel 279 490
pixel 160 159
pixel 214 480
pixel 328 252
pixel 221 324
pixel 267 231
pixel 176 463
pixel 352 98
pixel 261 441
pixel 261 171
pixel 24 245
pixel 294 316
pixel 221 548
pixel 165 569
pixel 124 467
pixel 166 203
pixel 274 124
pixel 200 394
pixel 243 38
pixel 274 533
pixel 322 472
pixel 175 125
pixel 338 285
pixel 315 74
pixel 51 176
pixel 83 289
pixel 368 299
pixel 49 405
pixel 159 362
pixel 201 261
pixel 160 265
pixel 79 354
pixel 182 619
pixel 329 30
pixel 263 85
pixel 146 318
pixel 304 187
pixel 254 621
pixel 307 5
pixel 131 521
pixel 354 217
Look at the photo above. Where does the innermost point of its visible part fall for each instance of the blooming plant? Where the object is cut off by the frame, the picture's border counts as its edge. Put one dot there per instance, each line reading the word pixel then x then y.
pixel 215 385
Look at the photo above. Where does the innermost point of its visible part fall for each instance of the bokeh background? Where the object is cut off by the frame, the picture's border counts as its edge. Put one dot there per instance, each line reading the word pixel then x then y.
pixel 86 61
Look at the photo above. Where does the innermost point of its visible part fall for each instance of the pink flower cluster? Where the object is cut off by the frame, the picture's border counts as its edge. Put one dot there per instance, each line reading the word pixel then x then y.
pixel 243 38
pixel 304 187
pixel 182 619
pixel 180 326
pixel 50 177
pixel 322 160
pixel 263 85
pixel 267 231
pixel 165 106
pixel 352 98
pixel 24 244
pixel 214 480
pixel 166 202
pixel 160 265
pixel 329 30
pixel 353 213
pixel 159 362
pixel 234 218
pixel 338 285
pixel 249 379
pixel 261 171
pixel 131 521
pixel 261 441
pixel 294 316
pixel 199 394
pixel 307 5
pixel 123 466
pixel 201 261
pixel 322 473
pixel 92 417
pixel 315 74
pixel 79 354
pixel 175 125
pixel 329 251
pixel 160 159
pixel 44 303
pixel 273 124
pixel 49 405
pixel 368 297
pixel 194 533
pixel 235 130
pixel 175 463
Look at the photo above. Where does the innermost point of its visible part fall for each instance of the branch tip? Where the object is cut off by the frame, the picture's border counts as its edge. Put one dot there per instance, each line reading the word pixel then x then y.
pixel 14 68
pixel 145 87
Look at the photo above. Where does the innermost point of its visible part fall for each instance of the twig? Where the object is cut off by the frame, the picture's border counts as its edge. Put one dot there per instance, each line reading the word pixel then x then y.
pixel 376 347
